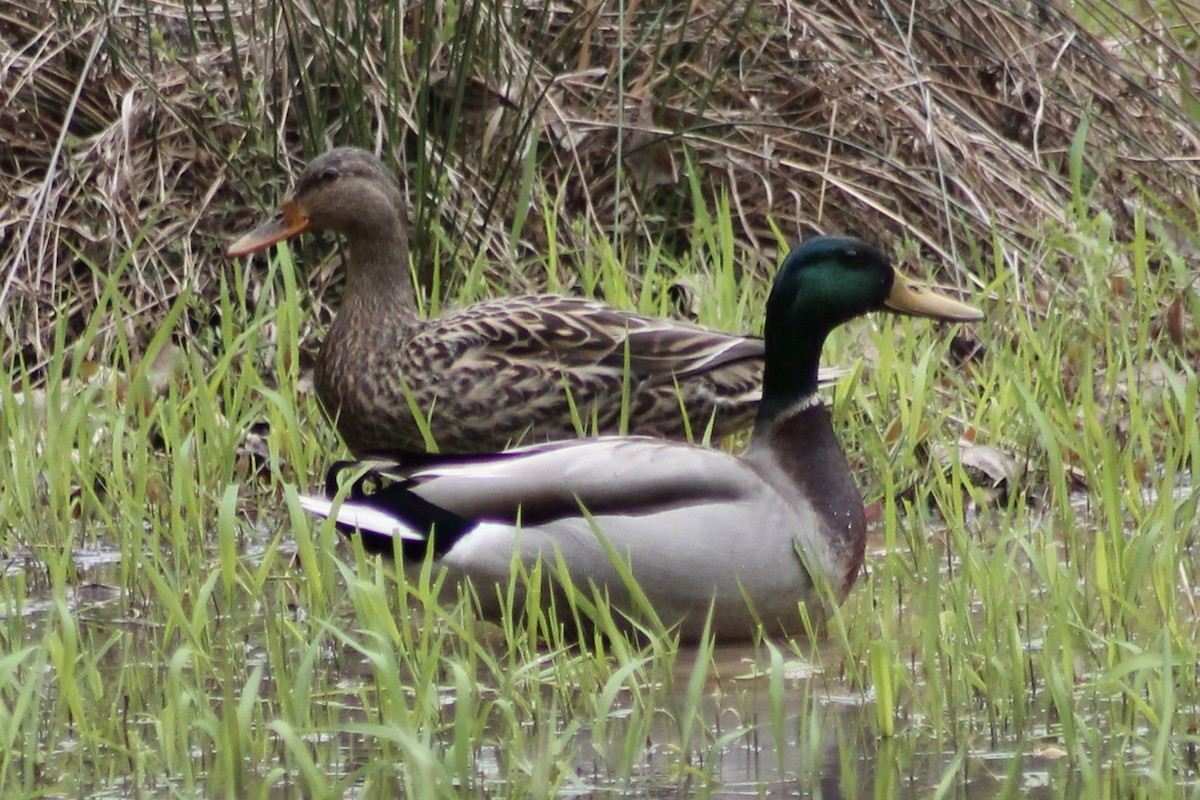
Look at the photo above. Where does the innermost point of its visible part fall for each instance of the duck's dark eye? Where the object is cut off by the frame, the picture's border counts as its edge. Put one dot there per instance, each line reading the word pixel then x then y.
pixel 328 175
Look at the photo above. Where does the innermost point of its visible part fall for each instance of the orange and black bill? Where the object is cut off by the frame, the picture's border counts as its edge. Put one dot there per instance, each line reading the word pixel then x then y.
pixel 290 221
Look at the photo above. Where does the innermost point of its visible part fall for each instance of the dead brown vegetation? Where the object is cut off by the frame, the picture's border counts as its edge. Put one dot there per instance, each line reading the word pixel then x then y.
pixel 146 134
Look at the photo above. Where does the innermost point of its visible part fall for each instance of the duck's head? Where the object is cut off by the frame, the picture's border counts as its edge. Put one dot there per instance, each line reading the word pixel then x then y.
pixel 824 282
pixel 346 190
pixel 829 280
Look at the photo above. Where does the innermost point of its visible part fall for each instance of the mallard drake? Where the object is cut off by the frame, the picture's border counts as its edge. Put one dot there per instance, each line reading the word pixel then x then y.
pixel 750 536
pixel 502 371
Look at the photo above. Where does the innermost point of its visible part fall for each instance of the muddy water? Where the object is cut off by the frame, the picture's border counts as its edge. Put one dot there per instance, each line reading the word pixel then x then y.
pixel 808 735
pixel 822 745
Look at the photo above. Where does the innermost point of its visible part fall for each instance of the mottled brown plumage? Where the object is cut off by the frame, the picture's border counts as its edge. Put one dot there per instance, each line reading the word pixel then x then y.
pixel 503 371
pixel 499 372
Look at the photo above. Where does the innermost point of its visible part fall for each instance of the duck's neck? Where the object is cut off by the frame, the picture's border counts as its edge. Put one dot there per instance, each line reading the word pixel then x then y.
pixel 377 275
pixel 795 443
pixel 789 373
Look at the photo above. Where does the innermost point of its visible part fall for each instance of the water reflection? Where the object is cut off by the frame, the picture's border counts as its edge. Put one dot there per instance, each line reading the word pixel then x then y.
pixel 793 733
pixel 814 737
pixel 762 729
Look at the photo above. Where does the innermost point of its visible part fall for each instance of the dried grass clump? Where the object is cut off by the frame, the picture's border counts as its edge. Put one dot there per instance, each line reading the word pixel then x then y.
pixel 943 126
pixel 117 124
pixel 147 135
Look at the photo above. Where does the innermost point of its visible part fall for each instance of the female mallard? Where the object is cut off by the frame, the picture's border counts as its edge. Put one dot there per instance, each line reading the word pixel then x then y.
pixel 748 536
pixel 500 371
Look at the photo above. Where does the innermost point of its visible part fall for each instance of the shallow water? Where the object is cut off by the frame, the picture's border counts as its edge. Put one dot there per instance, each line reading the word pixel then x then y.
pixel 821 745
pixel 764 730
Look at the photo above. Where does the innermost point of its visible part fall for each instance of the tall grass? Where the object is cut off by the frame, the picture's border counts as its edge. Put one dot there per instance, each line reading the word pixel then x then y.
pixel 172 623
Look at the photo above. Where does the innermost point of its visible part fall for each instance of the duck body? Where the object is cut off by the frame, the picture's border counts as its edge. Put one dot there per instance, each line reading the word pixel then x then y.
pixel 498 373
pixel 734 542
pixel 531 368
pixel 697 527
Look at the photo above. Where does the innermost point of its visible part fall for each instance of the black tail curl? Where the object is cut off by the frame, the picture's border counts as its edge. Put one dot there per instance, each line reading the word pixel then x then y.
pixel 398 499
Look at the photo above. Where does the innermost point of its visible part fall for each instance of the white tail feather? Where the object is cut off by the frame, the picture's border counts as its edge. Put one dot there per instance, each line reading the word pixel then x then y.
pixel 361 517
